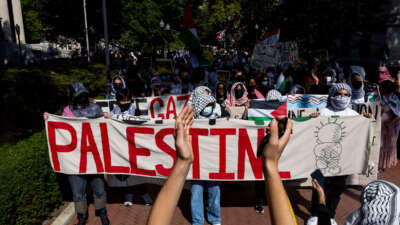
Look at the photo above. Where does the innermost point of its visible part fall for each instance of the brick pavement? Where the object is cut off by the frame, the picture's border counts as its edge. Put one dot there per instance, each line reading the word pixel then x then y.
pixel 236 205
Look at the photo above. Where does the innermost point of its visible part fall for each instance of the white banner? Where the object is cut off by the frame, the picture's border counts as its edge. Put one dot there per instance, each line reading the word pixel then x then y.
pixel 160 107
pixel 224 151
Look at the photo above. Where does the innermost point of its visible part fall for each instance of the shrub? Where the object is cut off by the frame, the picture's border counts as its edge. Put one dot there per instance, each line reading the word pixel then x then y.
pixel 29 191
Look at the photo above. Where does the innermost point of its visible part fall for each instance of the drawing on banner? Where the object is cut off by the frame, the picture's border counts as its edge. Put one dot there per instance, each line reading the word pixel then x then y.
pixel 329 149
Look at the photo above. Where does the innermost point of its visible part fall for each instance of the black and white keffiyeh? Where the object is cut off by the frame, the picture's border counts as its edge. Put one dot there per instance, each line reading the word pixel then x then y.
pixel 379 205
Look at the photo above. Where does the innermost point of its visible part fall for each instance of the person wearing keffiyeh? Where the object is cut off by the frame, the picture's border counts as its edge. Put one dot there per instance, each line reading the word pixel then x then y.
pixel 205 107
pixel 238 95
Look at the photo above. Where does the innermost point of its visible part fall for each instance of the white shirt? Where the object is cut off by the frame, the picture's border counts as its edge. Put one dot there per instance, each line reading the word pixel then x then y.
pixel 343 113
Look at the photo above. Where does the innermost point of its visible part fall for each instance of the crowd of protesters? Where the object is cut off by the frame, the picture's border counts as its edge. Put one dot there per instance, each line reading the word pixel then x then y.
pixel 212 97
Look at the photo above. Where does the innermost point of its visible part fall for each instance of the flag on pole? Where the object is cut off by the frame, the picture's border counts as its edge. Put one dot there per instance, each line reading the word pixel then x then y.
pixel 281 83
pixel 271 38
pixel 221 35
pixel 261 110
pixel 190 37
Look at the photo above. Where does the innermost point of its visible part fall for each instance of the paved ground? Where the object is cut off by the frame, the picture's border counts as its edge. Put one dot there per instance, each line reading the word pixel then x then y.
pixel 236 205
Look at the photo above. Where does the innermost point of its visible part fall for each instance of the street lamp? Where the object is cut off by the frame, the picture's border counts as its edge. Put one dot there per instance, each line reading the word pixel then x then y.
pixel 162 24
pixel 18 31
pixel 167 27
pixel 256 27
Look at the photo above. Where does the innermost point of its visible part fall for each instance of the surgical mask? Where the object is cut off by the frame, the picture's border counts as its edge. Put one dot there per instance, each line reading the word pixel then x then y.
pixel 239 93
pixel 357 84
pixel 340 102
pixel 207 111
pixel 265 83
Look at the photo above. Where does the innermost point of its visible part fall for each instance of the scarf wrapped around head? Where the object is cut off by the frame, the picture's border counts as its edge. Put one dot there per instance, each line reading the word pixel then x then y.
pixel 357 93
pixel 332 91
pixel 200 100
pixel 380 202
pixel 384 74
pixel 232 101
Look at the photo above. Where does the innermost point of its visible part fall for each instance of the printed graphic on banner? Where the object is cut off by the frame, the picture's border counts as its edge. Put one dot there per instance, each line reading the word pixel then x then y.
pixel 266 111
pixel 224 151
pixel 307 101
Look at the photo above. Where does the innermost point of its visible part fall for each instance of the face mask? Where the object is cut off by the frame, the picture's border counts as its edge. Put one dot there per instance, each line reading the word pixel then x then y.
pixel 118 86
pixel 239 93
pixel 357 84
pixel 124 107
pixel 82 100
pixel 265 83
pixel 252 88
pixel 207 111
pixel 340 102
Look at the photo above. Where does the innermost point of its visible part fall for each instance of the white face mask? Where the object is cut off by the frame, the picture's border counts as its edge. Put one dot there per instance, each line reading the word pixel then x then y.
pixel 207 111
pixel 340 102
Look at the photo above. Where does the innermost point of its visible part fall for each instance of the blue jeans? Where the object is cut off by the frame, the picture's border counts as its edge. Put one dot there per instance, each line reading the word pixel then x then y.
pixel 78 186
pixel 197 206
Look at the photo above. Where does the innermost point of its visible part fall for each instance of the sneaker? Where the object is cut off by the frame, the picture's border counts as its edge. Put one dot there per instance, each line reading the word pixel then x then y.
pixel 259 208
pixel 147 199
pixel 128 203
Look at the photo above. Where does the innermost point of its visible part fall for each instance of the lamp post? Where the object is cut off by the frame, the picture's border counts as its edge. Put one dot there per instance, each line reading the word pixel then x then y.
pixel 168 28
pixel 256 27
pixel 86 31
pixel 18 30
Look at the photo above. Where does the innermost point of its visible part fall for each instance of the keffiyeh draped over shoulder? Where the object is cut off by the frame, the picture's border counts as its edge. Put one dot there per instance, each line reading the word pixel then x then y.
pixel 232 100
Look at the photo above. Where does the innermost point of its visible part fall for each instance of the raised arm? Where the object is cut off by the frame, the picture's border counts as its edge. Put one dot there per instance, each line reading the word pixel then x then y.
pixel 278 202
pixel 165 204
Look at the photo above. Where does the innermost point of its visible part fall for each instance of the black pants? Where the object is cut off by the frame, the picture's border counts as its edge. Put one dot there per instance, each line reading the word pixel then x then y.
pixel 334 188
pixel 260 192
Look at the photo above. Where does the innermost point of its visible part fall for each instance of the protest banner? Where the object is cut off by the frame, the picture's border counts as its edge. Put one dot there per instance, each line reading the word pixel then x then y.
pixel 225 151
pixel 264 57
pixel 160 107
pixel 288 51
pixel 306 101
pixel 236 112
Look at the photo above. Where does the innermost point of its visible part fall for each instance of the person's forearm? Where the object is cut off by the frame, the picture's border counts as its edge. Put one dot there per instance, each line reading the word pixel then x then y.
pixel 278 202
pixel 167 199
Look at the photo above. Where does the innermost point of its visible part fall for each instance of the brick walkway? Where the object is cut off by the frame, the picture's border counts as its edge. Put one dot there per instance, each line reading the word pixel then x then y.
pixel 236 205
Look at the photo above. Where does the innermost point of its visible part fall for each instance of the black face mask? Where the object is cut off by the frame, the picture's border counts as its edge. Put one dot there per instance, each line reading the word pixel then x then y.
pixel 252 88
pixel 357 84
pixel 118 87
pixel 81 100
pixel 185 90
pixel 239 93
pixel 124 107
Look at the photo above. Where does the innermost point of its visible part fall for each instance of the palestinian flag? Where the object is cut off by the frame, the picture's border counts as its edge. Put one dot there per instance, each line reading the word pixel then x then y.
pixel 261 110
pixel 190 37
pixel 271 38
pixel 221 35
pixel 281 83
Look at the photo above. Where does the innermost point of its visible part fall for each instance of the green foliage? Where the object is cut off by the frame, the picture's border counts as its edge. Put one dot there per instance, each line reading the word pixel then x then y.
pixel 30 91
pixel 29 189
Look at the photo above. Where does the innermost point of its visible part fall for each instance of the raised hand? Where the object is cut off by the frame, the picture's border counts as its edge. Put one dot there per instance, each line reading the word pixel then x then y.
pixel 273 150
pixel 183 144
